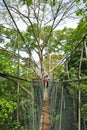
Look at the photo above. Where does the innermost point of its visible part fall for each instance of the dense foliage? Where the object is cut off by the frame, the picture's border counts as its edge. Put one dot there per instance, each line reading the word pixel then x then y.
pixel 62 54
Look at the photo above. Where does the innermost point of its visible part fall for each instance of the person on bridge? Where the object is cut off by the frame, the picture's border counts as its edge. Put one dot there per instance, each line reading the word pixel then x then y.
pixel 45 81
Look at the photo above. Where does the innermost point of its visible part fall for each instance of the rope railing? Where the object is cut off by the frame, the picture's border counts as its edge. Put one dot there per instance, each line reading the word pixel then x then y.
pixel 38 101
pixel 8 75
pixel 64 105
pixel 30 104
pixel 68 96
pixel 33 108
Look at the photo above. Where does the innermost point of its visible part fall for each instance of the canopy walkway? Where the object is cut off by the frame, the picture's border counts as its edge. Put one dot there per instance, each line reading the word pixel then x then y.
pixel 57 107
pixel 45 123
pixel 60 106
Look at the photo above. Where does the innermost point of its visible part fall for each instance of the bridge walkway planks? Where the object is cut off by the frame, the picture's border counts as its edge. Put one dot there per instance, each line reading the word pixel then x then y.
pixel 45 123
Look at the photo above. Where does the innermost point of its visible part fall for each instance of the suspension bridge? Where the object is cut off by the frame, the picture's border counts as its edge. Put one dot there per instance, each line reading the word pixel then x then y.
pixel 57 107
pixel 60 106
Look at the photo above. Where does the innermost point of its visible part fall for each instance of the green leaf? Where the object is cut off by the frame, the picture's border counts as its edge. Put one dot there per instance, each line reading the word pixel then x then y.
pixel 79 12
pixel 77 1
pixel 84 1
pixel 54 2
pixel 84 111
pixel 29 2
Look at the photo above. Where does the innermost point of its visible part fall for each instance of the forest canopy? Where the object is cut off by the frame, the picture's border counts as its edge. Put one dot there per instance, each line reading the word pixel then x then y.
pixel 40 48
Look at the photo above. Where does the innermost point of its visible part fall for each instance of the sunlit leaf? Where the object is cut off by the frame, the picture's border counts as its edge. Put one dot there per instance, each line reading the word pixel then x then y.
pixel 29 2
pixel 77 1
pixel 84 1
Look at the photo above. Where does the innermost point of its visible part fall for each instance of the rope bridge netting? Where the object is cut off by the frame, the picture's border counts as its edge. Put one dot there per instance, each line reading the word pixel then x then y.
pixel 21 107
pixel 64 105
pixel 20 111
pixel 68 94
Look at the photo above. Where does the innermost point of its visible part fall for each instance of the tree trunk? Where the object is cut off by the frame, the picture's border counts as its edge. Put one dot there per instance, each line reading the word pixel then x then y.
pixel 41 63
pixel 85 49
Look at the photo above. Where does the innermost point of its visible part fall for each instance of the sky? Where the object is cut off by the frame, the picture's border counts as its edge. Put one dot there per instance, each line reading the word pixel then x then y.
pixel 68 23
pixel 0 0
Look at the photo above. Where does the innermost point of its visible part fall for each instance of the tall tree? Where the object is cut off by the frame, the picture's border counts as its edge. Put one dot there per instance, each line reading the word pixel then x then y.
pixel 36 14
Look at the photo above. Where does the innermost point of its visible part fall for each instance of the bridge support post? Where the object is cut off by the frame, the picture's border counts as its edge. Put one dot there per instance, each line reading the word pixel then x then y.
pixel 79 107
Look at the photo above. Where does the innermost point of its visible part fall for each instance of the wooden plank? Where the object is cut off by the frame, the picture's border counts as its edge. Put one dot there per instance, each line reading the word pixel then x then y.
pixel 45 117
